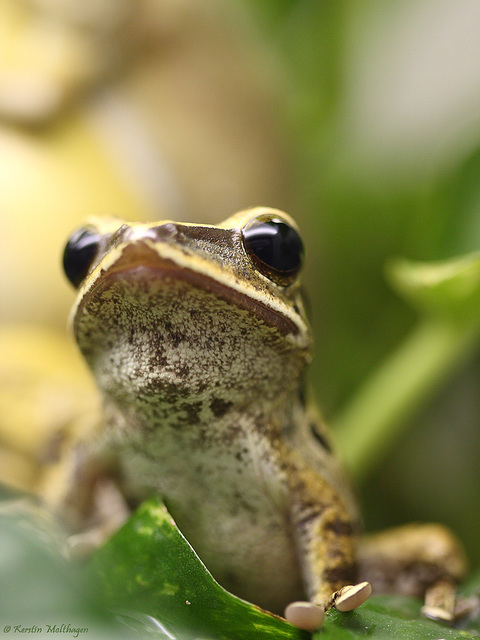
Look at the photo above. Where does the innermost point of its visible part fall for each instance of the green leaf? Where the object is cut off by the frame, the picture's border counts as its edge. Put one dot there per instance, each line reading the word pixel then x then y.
pixel 148 567
pixel 447 294
pixel 150 570
pixel 387 617
pixel 40 590
pixel 448 288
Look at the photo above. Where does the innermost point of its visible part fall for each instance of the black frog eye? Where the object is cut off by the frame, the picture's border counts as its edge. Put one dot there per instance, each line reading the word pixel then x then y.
pixel 275 248
pixel 79 254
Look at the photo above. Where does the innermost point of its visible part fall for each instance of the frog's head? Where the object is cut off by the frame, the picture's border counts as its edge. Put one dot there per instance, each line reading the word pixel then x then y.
pixel 191 320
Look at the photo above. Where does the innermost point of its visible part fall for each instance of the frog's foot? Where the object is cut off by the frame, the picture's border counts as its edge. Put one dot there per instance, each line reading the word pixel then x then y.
pixel 419 560
pixel 110 512
pixel 310 616
pixel 442 603
pixel 305 615
pixel 81 545
pixel 349 597
pixel 440 600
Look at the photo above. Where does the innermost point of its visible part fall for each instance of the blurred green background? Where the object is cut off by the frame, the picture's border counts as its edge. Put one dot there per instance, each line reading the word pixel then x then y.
pixel 384 111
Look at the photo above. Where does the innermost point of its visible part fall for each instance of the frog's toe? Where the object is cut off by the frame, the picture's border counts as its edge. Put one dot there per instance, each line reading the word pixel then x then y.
pixel 351 596
pixel 310 616
pixel 81 545
pixel 440 599
pixel 305 615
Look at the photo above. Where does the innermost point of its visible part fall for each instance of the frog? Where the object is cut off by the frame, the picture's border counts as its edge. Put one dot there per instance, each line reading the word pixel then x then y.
pixel 198 339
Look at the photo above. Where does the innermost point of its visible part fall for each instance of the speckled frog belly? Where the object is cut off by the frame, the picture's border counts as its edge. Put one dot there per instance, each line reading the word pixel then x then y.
pixel 233 510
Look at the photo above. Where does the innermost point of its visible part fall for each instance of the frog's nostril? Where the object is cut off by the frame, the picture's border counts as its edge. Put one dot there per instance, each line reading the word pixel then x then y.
pixel 161 233
pixel 166 231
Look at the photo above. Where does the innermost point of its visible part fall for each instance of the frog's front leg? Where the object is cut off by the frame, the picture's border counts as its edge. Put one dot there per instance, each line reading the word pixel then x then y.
pixel 420 560
pixel 325 536
pixel 86 493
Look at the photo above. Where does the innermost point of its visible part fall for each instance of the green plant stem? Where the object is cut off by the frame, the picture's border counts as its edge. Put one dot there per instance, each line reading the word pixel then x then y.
pixel 379 412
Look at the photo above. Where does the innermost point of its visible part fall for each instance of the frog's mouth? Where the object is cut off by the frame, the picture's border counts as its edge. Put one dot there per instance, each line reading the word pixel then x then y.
pixel 140 263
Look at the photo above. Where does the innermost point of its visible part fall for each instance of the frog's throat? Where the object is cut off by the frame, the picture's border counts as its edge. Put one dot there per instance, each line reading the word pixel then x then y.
pixel 142 260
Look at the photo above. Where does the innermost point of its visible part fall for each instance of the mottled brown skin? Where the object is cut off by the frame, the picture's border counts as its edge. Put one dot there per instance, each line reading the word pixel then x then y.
pixel 200 359
pixel 409 559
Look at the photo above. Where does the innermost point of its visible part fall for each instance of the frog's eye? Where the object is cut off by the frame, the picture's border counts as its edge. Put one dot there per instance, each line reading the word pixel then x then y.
pixel 79 254
pixel 275 248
